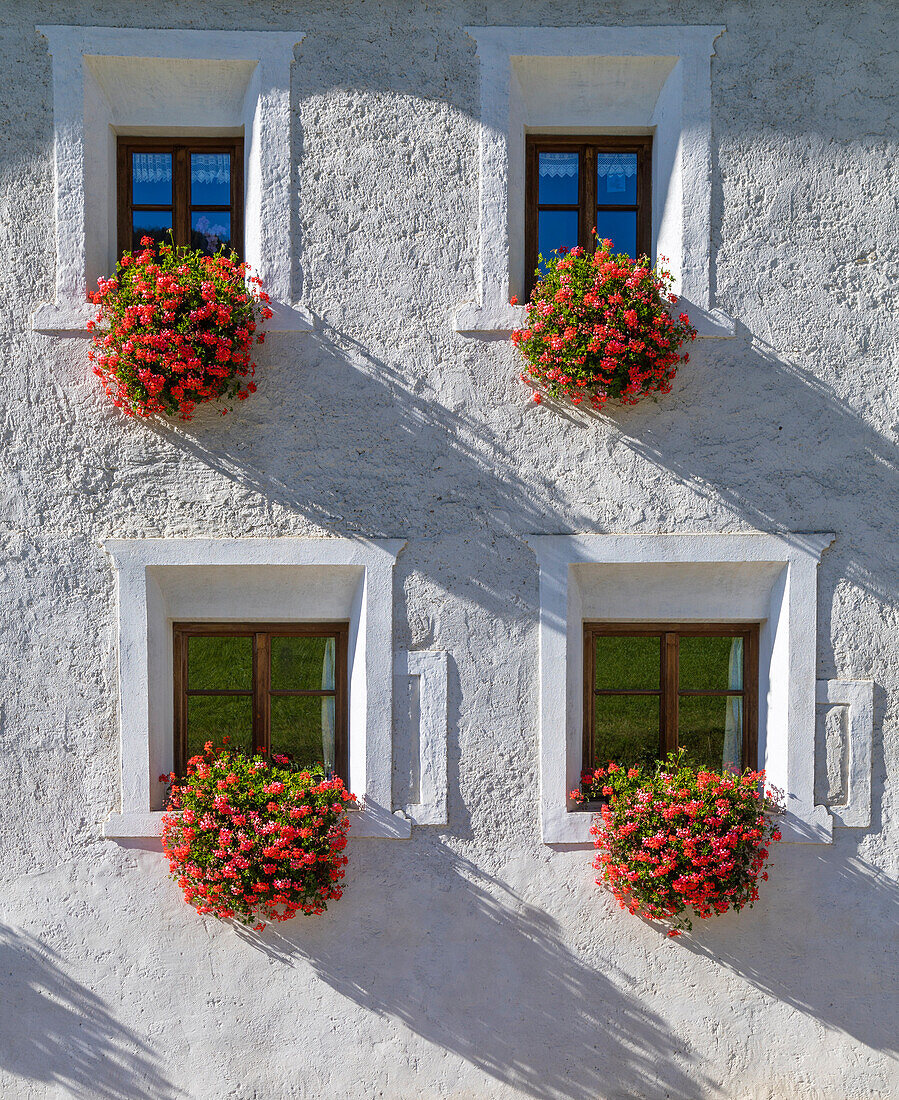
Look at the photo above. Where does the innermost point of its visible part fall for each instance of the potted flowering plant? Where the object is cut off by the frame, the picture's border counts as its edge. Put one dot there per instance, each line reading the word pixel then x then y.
pixel 175 328
pixel 253 840
pixel 677 840
pixel 599 328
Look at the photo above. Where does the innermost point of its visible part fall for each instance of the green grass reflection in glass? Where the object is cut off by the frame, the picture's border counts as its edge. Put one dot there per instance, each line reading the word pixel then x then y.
pixel 711 664
pixel 303 729
pixel 215 663
pixel 625 662
pixel 300 663
pixel 626 729
pixel 214 717
pixel 710 730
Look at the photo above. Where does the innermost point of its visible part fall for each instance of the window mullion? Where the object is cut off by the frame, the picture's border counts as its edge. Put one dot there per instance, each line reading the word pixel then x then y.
pixel 587 196
pixel 181 195
pixel 261 696
pixel 669 694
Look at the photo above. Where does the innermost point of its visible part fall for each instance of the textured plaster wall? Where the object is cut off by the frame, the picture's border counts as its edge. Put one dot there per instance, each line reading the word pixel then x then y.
pixel 471 961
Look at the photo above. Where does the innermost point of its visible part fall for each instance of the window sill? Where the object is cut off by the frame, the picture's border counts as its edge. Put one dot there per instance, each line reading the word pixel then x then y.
pixel 500 319
pixel 70 319
pixel 367 822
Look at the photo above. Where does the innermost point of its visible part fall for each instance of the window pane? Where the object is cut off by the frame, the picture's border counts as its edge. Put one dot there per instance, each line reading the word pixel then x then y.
pixel 711 664
pixel 626 729
pixel 216 663
pixel 616 178
pixel 210 179
pixel 627 662
pixel 556 229
pixel 303 728
pixel 303 663
pixel 710 728
pixel 150 223
pixel 621 227
pixel 557 178
pixel 214 717
pixel 210 230
pixel 151 179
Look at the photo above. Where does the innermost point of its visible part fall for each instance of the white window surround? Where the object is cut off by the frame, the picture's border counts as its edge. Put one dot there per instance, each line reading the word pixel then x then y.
pixel 857 697
pixel 113 80
pixel 160 581
pixel 429 668
pixel 765 578
pixel 595 80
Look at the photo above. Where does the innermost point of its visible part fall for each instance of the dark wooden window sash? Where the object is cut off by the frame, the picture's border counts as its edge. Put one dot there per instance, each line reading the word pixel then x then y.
pixel 181 207
pixel 587 148
pixel 261 690
pixel 669 691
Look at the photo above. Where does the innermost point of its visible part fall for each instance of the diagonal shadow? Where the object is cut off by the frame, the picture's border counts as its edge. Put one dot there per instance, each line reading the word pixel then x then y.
pixel 55 1031
pixel 469 966
pixel 816 967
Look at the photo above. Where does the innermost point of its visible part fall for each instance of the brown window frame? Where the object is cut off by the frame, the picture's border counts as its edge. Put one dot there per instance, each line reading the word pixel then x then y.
pixel 587 147
pixel 261 690
pixel 669 690
pixel 181 207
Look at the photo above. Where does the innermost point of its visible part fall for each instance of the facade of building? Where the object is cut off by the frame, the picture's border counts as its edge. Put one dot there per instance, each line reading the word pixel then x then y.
pixel 391 474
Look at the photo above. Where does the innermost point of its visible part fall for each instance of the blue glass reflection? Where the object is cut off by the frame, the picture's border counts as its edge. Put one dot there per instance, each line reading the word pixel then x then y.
pixel 556 229
pixel 210 179
pixel 616 179
pixel 621 227
pixel 151 179
pixel 210 230
pixel 557 176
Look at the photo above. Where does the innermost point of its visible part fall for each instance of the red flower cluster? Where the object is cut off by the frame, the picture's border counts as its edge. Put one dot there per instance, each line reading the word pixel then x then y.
pixel 680 839
pixel 175 328
pixel 598 328
pixel 255 841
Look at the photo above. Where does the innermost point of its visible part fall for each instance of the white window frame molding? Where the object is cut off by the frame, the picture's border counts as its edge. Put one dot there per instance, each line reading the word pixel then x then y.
pixel 80 108
pixel 429 667
pixel 144 676
pixel 788 645
pixel 857 696
pixel 501 148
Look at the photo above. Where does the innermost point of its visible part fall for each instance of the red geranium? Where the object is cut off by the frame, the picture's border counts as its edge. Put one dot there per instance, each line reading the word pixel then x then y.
pixel 255 841
pixel 599 328
pixel 680 839
pixel 174 329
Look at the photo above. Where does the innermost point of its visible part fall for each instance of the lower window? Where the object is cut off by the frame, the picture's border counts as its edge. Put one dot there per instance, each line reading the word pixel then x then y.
pixel 653 689
pixel 267 688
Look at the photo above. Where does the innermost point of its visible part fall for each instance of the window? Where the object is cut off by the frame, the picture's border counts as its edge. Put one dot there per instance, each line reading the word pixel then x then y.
pixel 650 690
pixel 192 191
pixel 280 689
pixel 574 184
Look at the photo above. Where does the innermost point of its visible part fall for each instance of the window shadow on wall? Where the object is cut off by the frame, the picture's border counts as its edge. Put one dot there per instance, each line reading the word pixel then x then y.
pixel 834 964
pixel 472 968
pixel 55 1032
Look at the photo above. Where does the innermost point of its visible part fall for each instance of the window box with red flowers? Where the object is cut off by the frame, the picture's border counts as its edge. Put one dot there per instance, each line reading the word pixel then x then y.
pixel 599 329
pixel 255 840
pixel 677 842
pixel 175 329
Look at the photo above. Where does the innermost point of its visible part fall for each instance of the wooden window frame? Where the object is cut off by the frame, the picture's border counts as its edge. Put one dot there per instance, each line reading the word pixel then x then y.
pixel 587 147
pixel 669 690
pixel 260 689
pixel 181 206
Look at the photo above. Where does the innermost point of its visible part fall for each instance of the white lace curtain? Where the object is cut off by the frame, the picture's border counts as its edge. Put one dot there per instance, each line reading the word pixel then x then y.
pixel 214 168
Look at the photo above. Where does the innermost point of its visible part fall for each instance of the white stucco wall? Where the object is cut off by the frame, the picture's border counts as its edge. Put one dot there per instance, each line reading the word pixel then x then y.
pixel 472 960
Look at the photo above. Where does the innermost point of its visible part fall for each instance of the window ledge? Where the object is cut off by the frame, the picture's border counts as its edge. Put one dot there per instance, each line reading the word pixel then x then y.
pixel 71 319
pixel 500 319
pixel 369 822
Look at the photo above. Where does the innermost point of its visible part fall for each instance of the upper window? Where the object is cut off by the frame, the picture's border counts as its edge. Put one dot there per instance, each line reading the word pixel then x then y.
pixel 651 690
pixel 269 689
pixel 574 184
pixel 192 190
